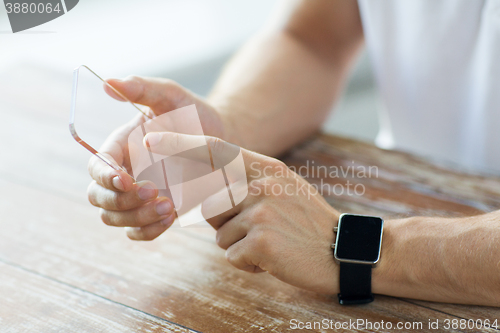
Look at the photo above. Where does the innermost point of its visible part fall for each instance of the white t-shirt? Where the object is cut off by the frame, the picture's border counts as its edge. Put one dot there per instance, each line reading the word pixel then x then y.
pixel 437 64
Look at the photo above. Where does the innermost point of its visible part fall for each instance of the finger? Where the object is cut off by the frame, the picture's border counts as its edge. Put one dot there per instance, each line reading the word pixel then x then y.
pixel 156 93
pixel 214 211
pixel 240 257
pixel 102 197
pixel 149 213
pixel 113 149
pixel 221 152
pixel 151 231
pixel 107 177
pixel 231 232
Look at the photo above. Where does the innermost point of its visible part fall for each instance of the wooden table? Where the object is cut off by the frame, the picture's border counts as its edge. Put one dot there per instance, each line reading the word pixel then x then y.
pixel 63 270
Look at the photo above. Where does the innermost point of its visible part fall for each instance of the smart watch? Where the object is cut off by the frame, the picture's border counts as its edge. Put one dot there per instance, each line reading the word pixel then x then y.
pixel 357 249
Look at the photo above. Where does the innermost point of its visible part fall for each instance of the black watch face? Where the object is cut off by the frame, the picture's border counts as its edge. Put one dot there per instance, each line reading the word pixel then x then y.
pixel 359 238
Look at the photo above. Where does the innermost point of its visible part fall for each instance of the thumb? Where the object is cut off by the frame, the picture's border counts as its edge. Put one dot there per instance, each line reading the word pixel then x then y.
pixel 157 93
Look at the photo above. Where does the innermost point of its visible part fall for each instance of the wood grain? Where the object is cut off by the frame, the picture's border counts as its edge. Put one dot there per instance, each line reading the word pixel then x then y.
pixel 404 185
pixel 33 303
pixel 178 277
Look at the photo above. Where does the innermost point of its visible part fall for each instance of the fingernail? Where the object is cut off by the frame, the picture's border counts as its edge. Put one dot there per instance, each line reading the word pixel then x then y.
pixel 117 183
pixel 163 208
pixel 146 192
pixel 168 221
pixel 153 139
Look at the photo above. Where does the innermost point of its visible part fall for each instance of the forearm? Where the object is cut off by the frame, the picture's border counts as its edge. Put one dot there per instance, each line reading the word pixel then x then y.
pixel 280 87
pixel 276 92
pixel 455 260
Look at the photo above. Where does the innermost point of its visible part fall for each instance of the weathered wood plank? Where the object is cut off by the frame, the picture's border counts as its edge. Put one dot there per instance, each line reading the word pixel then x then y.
pixel 177 277
pixel 33 303
pixel 403 184
pixel 481 313
pixel 37 150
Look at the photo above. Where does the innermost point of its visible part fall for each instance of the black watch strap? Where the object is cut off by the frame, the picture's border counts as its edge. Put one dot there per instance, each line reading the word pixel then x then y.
pixel 355 283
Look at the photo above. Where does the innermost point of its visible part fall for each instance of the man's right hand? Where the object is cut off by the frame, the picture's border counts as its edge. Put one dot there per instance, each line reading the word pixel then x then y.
pixel 137 205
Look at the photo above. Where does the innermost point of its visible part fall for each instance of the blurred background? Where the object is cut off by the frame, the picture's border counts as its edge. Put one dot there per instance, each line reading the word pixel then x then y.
pixel 188 41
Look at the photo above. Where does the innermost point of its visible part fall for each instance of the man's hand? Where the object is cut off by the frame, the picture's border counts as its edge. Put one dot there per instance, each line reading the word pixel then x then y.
pixel 273 94
pixel 163 95
pixel 137 205
pixel 283 227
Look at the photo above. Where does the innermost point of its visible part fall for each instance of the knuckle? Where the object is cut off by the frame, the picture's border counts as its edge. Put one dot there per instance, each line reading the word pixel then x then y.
pixel 177 141
pixel 217 145
pixel 271 181
pixel 278 166
pixel 258 215
pixel 154 236
pixel 91 165
pixel 257 187
pixel 140 81
pixel 142 216
pixel 231 256
pixel 135 78
pixel 171 142
pixel 134 233
pixel 277 187
pixel 102 177
pixel 175 90
pixel 148 236
pixel 267 186
pixel 91 194
pixel 104 215
pixel 262 243
pixel 176 93
pixel 118 202
pixel 219 240
pixel 169 83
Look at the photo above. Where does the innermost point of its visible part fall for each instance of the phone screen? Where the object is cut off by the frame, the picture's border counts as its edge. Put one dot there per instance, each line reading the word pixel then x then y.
pixel 95 115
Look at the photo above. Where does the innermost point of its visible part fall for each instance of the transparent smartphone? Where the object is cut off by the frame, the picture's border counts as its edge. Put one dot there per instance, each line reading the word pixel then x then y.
pixel 95 115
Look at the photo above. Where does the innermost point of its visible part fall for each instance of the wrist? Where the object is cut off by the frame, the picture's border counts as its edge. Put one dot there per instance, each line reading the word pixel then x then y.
pixel 384 273
pixel 401 262
pixel 229 125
